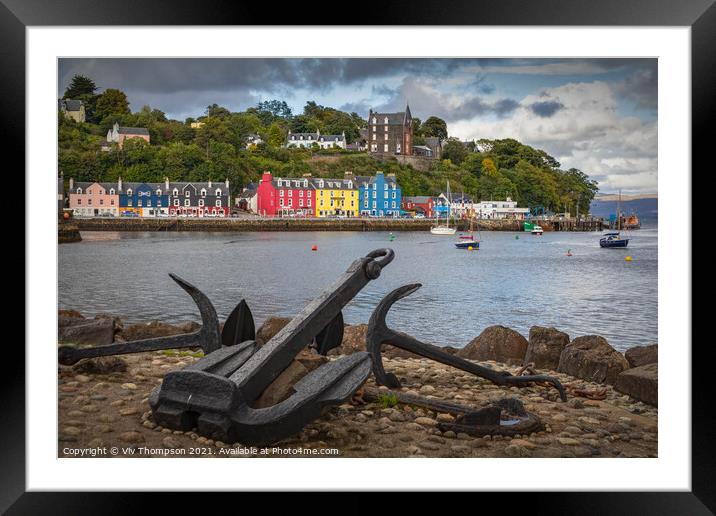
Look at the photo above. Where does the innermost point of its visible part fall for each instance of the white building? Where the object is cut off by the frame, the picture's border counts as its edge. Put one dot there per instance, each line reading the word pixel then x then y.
pixel 324 141
pixel 506 209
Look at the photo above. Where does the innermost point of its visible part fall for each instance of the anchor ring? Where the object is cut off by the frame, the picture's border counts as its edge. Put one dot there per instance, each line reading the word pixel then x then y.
pixel 373 267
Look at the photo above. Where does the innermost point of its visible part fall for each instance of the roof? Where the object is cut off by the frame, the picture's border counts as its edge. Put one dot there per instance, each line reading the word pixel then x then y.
pixel 180 186
pixel 316 136
pixel 330 183
pixel 393 118
pixel 432 141
pixel 419 199
pixel 70 104
pixel 296 183
pixel 133 130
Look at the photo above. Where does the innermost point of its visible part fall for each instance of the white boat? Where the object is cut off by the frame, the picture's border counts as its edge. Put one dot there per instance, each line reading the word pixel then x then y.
pixel 537 230
pixel 446 229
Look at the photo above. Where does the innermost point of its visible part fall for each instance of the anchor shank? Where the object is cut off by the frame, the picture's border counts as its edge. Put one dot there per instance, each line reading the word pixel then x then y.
pixel 271 359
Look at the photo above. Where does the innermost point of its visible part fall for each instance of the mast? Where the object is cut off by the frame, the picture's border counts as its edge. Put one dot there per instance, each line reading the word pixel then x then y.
pixel 619 215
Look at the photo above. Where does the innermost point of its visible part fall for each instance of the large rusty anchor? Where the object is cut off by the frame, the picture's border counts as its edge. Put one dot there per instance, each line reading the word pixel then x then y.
pixel 239 327
pixel 215 394
pixel 379 334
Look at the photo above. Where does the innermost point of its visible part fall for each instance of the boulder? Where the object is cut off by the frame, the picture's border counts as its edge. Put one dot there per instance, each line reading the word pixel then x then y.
pixel 69 318
pixel 310 359
pixel 271 326
pixel 642 355
pixel 354 339
pixel 117 321
pixel 545 347
pixel 496 343
pixel 640 383
pixel 148 330
pixel 282 387
pixel 98 332
pixel 592 358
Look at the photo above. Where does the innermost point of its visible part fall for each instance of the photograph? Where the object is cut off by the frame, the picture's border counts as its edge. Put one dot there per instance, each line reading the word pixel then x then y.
pixel 357 257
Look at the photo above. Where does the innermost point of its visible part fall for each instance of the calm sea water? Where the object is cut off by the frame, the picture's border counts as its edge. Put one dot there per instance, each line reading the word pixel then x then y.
pixel 514 282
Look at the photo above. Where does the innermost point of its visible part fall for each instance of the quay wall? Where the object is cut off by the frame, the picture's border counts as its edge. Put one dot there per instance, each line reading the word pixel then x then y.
pixel 278 224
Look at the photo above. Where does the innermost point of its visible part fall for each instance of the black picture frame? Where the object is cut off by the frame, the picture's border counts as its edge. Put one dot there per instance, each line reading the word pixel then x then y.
pixel 700 15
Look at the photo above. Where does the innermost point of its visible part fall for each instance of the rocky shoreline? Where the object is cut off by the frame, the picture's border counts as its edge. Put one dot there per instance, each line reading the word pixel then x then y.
pixel 103 403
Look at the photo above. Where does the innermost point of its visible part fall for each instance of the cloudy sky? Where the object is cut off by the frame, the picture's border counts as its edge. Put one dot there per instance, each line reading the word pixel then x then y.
pixel 598 115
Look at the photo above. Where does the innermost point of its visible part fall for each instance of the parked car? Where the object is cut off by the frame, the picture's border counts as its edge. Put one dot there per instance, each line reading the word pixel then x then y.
pixel 419 216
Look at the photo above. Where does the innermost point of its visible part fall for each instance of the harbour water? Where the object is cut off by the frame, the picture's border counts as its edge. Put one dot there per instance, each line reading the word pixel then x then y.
pixel 515 282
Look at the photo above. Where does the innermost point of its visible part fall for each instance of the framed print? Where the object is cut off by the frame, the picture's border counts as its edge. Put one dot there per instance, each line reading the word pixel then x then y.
pixel 424 247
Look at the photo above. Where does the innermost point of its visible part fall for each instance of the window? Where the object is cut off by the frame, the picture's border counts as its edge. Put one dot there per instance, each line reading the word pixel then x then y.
pixel 176 202
pixel 129 202
pixel 175 192
pixel 386 138
pixel 101 202
pixel 300 193
pixel 111 201
pixel 308 203
pixel 280 193
pixel 385 195
pixel 374 193
pixel 386 128
pixel 385 148
pixel 393 203
pixel 129 191
pixel 385 120
pixel 111 191
pixel 393 195
pixel 89 201
pixel 203 192
pixel 290 193
pixel 186 202
pixel 280 202
pixel 149 203
pixel 79 201
pixel 201 202
pixel 374 136
pixel 218 202
pixel 375 121
pixel 159 192
pixel 290 202
pixel 218 192
pixel 159 204
pixel 374 206
pixel 186 194
pixel 79 190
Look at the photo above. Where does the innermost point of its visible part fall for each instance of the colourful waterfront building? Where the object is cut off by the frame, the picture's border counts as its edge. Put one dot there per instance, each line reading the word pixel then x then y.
pixel 419 204
pixel 142 199
pixel 336 197
pixel 93 199
pixel 285 196
pixel 379 195
pixel 192 199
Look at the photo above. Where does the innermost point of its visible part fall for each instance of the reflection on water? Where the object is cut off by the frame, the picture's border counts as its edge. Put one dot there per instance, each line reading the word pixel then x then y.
pixel 514 282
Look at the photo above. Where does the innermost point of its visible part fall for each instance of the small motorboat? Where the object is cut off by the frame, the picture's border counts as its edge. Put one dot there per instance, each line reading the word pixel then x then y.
pixel 613 240
pixel 536 230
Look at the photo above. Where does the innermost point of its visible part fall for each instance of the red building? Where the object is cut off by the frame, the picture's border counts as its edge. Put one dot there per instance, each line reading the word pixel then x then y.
pixel 419 204
pixel 285 197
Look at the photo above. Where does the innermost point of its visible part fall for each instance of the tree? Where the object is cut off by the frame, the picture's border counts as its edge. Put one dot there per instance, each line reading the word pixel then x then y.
pixel 79 86
pixel 454 150
pixel 112 104
pixel 275 136
pixel 434 126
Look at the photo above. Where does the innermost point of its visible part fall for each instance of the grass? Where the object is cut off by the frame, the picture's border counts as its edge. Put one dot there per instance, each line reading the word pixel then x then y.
pixel 177 353
pixel 387 400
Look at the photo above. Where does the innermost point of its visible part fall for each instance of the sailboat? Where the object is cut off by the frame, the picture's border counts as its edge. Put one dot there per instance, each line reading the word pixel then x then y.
pixel 468 241
pixel 446 229
pixel 613 239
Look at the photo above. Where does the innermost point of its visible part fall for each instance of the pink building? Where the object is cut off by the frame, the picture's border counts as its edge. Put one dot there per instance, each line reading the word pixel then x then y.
pixel 119 134
pixel 90 199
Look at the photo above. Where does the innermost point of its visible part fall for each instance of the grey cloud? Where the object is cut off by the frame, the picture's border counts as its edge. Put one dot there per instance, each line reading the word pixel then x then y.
pixel 641 88
pixel 546 109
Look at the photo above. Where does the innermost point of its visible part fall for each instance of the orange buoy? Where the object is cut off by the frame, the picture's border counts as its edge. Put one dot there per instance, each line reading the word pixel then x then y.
pixel 314 247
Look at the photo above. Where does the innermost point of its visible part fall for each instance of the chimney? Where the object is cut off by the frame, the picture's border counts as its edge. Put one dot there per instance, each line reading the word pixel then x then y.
pixel 166 183
pixel 72 184
pixel 306 175
pixel 209 183
pixel 266 177
pixel 119 184
pixel 227 182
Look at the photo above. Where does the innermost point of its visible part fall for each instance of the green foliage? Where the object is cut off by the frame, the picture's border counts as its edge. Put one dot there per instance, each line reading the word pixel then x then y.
pixel 434 126
pixel 79 86
pixel 455 151
pixel 111 106
pixel 387 400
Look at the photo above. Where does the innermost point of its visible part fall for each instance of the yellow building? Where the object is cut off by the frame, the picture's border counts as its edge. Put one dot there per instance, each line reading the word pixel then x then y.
pixel 336 197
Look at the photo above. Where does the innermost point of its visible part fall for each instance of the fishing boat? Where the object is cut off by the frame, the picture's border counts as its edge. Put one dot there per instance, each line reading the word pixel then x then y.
pixel 614 239
pixel 468 240
pixel 537 230
pixel 631 222
pixel 528 226
pixel 446 229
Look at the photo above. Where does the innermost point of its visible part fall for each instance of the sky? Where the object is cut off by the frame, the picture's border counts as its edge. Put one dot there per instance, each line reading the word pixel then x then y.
pixel 597 115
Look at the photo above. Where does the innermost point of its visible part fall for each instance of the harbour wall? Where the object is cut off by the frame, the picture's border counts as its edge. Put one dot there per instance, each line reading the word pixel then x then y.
pixel 278 224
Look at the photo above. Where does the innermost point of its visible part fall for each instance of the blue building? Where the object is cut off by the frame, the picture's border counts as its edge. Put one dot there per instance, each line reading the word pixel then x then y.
pixel 142 199
pixel 379 195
